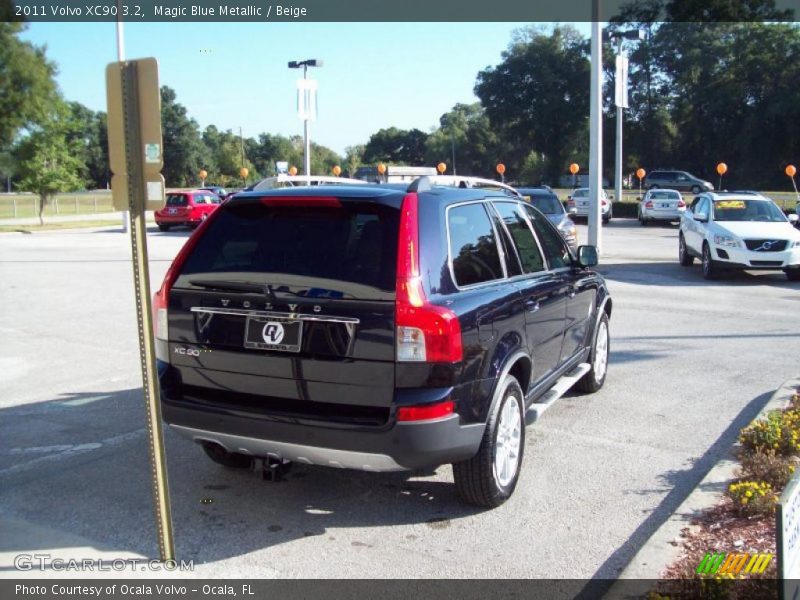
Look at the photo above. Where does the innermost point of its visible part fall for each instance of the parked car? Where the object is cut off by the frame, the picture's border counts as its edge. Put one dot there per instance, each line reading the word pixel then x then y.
pixel 661 205
pixel 738 231
pixel 578 204
pixel 547 202
pixel 215 189
pixel 377 327
pixel 186 207
pixel 676 180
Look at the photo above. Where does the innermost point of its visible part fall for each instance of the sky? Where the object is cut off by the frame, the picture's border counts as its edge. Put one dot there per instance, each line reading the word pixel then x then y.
pixel 232 75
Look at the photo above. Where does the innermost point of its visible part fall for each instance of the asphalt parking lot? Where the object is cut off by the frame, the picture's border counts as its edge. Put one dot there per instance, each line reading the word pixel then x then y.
pixel 691 362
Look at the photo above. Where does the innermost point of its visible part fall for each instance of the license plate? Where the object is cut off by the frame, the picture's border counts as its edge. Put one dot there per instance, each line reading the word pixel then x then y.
pixel 665 206
pixel 172 211
pixel 273 333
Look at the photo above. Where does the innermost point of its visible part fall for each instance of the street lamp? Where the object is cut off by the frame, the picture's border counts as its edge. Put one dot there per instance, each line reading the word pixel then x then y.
pixel 305 108
pixel 621 97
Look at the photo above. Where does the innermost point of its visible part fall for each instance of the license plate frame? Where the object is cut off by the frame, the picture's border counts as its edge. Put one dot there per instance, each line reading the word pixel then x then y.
pixel 258 335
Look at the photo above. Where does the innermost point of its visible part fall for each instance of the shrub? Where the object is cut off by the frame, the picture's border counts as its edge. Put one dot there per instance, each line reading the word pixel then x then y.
pixel 779 432
pixel 767 466
pixel 752 498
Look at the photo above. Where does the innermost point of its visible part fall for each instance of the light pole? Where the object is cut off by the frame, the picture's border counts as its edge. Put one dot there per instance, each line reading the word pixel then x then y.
pixel 595 130
pixel 304 107
pixel 621 98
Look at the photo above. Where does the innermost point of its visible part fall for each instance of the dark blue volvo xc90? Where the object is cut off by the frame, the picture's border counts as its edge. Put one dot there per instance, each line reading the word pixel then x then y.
pixel 377 328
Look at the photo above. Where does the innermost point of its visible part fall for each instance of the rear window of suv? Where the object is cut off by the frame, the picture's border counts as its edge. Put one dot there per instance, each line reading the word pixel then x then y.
pixel 353 241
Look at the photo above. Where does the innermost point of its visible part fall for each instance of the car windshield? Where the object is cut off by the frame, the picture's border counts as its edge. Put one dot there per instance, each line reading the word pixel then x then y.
pixel 580 193
pixel 664 195
pixel 747 210
pixel 549 205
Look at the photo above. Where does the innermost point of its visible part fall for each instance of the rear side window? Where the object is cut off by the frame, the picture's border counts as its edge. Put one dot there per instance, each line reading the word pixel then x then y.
pixel 473 246
pixel 553 244
pixel 517 225
pixel 177 200
pixel 354 242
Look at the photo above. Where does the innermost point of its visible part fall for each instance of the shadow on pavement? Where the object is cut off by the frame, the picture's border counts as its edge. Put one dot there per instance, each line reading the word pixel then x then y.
pixel 79 466
pixel 683 483
pixel 673 274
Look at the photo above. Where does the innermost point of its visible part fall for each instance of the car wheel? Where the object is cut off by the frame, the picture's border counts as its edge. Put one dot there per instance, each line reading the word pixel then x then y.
pixel 489 478
pixel 163 227
pixel 642 220
pixel 684 257
pixel 222 457
pixel 793 274
pixel 596 376
pixel 696 189
pixel 709 271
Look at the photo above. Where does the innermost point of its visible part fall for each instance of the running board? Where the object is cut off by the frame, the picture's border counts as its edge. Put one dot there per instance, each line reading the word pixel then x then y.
pixel 561 387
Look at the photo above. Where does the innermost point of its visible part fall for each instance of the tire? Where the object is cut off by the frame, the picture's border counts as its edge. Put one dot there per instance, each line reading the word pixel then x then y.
pixel 792 274
pixel 709 270
pixel 232 460
pixel 684 257
pixel 601 345
pixel 642 221
pixel 488 479
pixel 696 189
pixel 163 227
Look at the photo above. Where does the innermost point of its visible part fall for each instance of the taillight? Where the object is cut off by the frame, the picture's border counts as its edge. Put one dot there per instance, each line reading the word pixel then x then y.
pixel 570 201
pixel 648 204
pixel 161 297
pixel 425 332
pixel 605 202
pixel 681 204
pixel 425 412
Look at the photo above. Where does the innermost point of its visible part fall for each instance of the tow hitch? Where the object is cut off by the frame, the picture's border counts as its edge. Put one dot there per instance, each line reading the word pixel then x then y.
pixel 274 469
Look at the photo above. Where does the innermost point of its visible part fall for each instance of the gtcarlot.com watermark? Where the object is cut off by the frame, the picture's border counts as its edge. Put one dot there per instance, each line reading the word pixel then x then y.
pixel 46 562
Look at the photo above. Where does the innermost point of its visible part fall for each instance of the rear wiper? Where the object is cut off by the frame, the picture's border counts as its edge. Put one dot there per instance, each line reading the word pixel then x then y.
pixel 227 286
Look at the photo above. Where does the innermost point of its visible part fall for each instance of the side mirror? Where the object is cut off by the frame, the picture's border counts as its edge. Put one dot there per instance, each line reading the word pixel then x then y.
pixel 794 219
pixel 702 217
pixel 587 256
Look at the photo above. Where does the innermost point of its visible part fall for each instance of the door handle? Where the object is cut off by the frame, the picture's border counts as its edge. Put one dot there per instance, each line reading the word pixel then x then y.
pixel 531 305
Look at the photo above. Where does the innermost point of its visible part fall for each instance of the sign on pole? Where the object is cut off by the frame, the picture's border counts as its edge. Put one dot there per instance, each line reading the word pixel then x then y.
pixel 307 99
pixel 148 97
pixel 135 156
pixel 621 82
pixel 788 539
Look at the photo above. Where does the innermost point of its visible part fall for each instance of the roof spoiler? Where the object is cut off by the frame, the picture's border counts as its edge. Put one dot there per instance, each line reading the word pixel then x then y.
pixel 420 184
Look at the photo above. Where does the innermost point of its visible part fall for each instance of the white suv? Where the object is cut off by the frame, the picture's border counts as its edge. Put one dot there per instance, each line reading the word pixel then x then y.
pixel 738 231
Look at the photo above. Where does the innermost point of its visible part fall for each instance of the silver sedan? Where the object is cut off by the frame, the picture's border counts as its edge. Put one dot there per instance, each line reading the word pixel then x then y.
pixel 661 205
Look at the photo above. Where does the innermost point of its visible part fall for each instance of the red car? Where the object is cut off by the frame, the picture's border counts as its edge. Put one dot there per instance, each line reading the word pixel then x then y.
pixel 186 208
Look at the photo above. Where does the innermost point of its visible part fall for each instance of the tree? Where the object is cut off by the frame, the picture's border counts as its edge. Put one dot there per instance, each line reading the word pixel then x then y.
pixel 353 158
pixel 27 87
pixel 397 146
pixel 184 151
pixel 465 133
pixel 537 98
pixel 89 134
pixel 48 158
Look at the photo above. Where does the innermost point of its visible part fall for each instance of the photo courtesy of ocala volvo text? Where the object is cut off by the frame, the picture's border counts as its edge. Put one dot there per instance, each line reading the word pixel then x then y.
pixel 377 327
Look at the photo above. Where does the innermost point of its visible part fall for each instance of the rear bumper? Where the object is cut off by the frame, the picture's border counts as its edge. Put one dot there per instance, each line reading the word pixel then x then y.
pixel 654 215
pixel 403 446
pixel 175 219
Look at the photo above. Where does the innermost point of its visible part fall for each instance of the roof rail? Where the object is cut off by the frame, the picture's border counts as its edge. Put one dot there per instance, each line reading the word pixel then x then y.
pixel 420 184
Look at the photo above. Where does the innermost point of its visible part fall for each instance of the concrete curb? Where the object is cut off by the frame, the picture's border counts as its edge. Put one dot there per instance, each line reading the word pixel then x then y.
pixel 658 552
